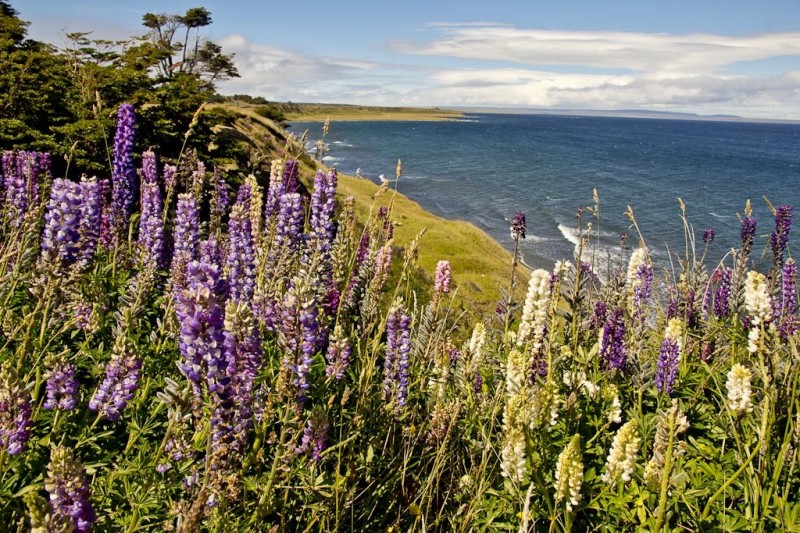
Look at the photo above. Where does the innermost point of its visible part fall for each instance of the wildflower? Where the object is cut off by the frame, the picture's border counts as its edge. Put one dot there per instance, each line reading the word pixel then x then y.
pixel 186 235
pixel 16 189
pixel 62 221
pixel 396 362
pixel 780 237
pixel 512 463
pixel 639 280
pixel 518 226
pixel 756 297
pixel 671 424
pixel 516 370
pixel 91 191
pixel 298 331
pixel 669 356
pixel 610 392
pixel 274 192
pixel 256 207
pixel 477 340
pixel 599 315
pixel 739 391
pixel 151 227
pixel 199 309
pixel 622 455
pixel 290 222
pixel 315 437
pixel 569 473
pixel 722 294
pixel 240 260
pixel 290 173
pixel 323 204
pixel 533 324
pixel 15 412
pixel 61 387
pixel 338 355
pixel 788 305
pixel 748 232
pixel 708 235
pixel 123 372
pixel 612 345
pixel 123 175
pixel 69 491
pixel 441 284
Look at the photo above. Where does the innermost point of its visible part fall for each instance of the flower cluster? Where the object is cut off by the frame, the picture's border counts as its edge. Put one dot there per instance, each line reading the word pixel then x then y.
pixel 396 362
pixel 121 382
pixel 612 341
pixel 622 455
pixel 441 283
pixel 123 175
pixel 739 391
pixel 569 473
pixel 15 412
pixel 69 491
pixel 708 235
pixel 669 356
pixel 533 324
pixel 671 424
pixel 62 221
pixel 780 237
pixel 315 438
pixel 61 387
pixel 186 236
pixel 338 355
pixel 240 260
pixel 518 226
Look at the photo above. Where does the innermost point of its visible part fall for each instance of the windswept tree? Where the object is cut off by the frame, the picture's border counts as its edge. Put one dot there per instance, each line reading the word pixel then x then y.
pixel 177 46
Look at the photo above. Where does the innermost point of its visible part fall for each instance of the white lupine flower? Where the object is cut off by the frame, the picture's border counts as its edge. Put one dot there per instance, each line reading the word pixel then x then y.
pixel 477 341
pixel 638 258
pixel 569 473
pixel 752 340
pixel 577 380
pixel 623 453
pixel 756 298
pixel 512 464
pixel 534 312
pixel 615 413
pixel 562 267
pixel 739 391
pixel 516 371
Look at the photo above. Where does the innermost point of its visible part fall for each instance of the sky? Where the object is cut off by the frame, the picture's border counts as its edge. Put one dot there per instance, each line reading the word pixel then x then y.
pixel 733 57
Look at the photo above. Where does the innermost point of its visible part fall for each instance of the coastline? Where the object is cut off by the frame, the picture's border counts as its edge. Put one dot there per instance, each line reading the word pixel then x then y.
pixel 321 112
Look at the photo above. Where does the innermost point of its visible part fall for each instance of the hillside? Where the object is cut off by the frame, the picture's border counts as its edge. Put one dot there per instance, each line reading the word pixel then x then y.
pixel 480 265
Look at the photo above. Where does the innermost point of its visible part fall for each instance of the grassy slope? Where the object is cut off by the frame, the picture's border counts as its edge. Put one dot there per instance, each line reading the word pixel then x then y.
pixel 479 264
pixel 319 112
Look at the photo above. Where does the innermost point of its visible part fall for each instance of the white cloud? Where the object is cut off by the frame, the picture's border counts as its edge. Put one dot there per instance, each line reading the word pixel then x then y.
pixel 644 52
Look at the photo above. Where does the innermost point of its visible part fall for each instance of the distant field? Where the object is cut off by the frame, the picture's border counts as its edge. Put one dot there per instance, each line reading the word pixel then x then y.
pixel 314 112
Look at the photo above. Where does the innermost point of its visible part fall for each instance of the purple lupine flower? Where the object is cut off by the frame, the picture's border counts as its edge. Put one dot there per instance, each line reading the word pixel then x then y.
pixel 149 167
pixel 690 312
pixel 748 232
pixel 612 344
pixel 62 221
pixel 383 262
pixel 708 235
pixel 186 235
pixel 315 438
pixel 356 279
pixel 722 294
pixel 62 387
pixel 788 305
pixel 244 352
pixel 221 193
pixel 169 176
pixel 199 309
pixel 298 333
pixel 396 363
pixel 123 175
pixel 151 226
pixel 28 168
pixel 599 314
pixel 244 196
pixel 15 412
pixel 240 261
pixel 518 226
pixel 668 357
pixel 644 287
pixel 290 222
pixel 673 306
pixel 123 372
pixel 16 190
pixel 780 237
pixel 8 162
pixel 274 192
pixel 290 173
pixel 211 252
pixel 90 219
pixel 441 282
pixel 323 205
pixel 338 355
pixel 69 491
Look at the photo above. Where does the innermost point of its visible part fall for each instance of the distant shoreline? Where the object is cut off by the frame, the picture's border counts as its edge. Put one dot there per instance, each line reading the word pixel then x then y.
pixel 356 113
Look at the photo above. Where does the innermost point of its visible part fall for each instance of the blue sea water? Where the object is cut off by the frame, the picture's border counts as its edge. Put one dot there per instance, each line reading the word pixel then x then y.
pixel 488 166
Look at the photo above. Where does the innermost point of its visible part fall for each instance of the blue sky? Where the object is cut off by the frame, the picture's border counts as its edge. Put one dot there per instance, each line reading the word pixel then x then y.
pixel 731 57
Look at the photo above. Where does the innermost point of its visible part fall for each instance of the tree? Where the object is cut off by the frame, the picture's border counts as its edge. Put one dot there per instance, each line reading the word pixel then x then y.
pixel 176 47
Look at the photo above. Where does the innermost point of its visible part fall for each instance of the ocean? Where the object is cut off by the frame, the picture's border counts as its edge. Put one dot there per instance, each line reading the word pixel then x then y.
pixel 486 167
